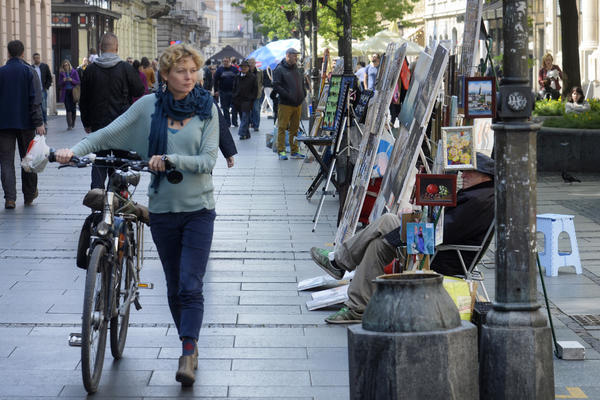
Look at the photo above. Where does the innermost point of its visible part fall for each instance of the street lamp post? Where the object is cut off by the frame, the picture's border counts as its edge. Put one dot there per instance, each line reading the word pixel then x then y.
pixel 316 87
pixel 516 348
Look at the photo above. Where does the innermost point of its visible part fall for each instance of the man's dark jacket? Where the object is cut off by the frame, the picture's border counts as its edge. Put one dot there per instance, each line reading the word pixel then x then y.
pixel 289 84
pixel 20 96
pixel 207 78
pixel 465 224
pixel 245 89
pixel 225 78
pixel 46 76
pixel 106 93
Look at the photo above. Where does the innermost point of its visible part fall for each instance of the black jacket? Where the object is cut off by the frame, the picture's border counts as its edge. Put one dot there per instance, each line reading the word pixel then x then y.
pixel 207 78
pixel 46 76
pixel 289 84
pixel 20 96
pixel 465 224
pixel 106 93
pixel 245 89
pixel 226 143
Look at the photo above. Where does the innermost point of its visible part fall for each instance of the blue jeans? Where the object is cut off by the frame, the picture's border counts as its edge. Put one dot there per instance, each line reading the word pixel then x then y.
pixel 45 105
pixel 183 242
pixel 244 124
pixel 255 118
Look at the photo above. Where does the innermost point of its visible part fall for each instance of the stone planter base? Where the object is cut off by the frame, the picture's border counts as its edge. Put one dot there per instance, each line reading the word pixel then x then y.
pixel 573 149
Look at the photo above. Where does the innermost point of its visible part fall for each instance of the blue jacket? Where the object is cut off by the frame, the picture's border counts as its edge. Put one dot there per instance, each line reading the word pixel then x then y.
pixel 224 78
pixel 19 104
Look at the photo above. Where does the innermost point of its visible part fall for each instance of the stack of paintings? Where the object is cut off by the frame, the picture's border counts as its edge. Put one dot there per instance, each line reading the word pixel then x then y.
pixel 374 125
pixel 414 116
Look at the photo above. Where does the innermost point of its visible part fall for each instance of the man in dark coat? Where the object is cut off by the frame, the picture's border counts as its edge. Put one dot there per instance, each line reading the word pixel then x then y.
pixel 371 249
pixel 45 76
pixel 244 94
pixel 288 82
pixel 107 89
pixel 223 84
pixel 20 119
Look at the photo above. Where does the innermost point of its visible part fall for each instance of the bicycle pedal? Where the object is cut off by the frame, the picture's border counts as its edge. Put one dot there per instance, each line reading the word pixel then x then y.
pixel 146 285
pixel 136 303
pixel 75 339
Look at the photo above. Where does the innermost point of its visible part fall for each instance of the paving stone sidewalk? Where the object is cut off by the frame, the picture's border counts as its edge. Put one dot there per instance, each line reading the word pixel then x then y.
pixel 258 339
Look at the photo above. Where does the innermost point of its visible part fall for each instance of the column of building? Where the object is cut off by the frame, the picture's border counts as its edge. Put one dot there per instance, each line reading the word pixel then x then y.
pixel 589 49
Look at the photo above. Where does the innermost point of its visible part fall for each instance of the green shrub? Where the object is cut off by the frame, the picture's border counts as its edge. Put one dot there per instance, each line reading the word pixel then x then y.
pixel 595 105
pixel 549 108
pixel 588 120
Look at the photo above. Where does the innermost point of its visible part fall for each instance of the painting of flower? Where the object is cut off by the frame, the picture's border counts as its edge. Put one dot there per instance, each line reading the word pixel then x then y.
pixel 459 148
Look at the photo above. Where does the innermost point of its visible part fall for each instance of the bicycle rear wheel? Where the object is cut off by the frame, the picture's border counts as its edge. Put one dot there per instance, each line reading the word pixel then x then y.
pixel 119 323
pixel 94 325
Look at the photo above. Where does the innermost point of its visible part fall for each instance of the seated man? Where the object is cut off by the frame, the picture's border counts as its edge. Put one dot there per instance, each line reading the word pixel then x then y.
pixel 371 249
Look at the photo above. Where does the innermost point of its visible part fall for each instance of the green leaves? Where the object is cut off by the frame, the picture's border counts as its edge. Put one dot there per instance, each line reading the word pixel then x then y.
pixel 367 16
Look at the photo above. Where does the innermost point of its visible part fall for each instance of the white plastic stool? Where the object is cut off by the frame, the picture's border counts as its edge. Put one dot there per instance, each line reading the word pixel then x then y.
pixel 552 225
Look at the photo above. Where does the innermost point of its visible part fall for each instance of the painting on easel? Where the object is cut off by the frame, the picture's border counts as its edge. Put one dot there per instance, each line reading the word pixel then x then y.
pixel 339 87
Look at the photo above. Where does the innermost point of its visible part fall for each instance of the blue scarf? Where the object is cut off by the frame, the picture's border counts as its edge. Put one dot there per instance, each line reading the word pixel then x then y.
pixel 198 103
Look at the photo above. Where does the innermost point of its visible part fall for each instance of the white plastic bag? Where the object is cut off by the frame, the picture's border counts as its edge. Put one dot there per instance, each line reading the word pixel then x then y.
pixel 37 155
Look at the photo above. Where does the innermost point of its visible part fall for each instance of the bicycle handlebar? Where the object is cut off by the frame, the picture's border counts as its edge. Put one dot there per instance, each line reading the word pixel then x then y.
pixel 173 176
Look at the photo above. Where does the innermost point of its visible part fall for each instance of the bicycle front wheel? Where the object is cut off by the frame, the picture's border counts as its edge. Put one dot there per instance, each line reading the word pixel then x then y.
pixel 94 324
pixel 119 323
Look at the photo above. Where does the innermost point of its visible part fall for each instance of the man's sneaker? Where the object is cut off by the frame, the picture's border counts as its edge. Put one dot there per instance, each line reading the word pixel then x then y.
pixel 344 316
pixel 282 155
pixel 298 156
pixel 321 257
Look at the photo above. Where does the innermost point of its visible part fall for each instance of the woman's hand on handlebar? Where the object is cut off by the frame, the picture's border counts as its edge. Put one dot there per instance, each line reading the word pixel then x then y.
pixel 63 156
pixel 157 163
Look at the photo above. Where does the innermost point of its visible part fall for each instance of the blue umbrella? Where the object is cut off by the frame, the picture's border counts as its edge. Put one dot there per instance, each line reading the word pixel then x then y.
pixel 271 54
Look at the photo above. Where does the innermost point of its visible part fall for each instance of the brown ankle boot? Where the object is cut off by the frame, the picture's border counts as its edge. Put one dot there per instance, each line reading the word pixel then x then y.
pixel 187 365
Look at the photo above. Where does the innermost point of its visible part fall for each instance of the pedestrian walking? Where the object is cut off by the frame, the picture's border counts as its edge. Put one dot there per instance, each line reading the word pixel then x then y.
pixel 149 71
pixel 244 96
pixel 224 78
pixel 138 67
pixel 81 68
pixel 20 118
pixel 371 72
pixel 288 82
pixel 260 95
pixel 207 76
pixel 68 82
pixel 45 76
pixel 360 74
pixel 107 90
pixel 178 124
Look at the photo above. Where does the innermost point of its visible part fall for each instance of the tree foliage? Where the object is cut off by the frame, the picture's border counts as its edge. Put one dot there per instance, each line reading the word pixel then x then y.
pixel 367 15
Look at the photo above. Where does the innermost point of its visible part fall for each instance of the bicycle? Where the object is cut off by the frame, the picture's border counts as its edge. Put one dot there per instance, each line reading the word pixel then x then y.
pixel 114 259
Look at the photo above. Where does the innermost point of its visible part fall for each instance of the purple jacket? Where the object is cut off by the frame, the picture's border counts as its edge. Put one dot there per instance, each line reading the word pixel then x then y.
pixel 63 84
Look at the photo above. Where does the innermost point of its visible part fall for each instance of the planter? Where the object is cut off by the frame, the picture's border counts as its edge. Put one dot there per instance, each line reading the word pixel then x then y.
pixel 410 303
pixel 572 149
pixel 412 344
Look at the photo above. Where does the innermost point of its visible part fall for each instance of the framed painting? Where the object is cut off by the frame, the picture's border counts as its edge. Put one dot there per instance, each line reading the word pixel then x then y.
pixel 339 87
pixel 480 97
pixel 420 238
pixel 458 145
pixel 436 190
pixel 323 98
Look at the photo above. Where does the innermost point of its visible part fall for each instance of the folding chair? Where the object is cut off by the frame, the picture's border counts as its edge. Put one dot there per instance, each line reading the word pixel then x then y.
pixel 471 272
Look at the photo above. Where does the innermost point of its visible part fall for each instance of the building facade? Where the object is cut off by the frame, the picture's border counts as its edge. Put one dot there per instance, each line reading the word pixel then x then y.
pixel 29 22
pixel 137 28
pixel 185 23
pixel 229 26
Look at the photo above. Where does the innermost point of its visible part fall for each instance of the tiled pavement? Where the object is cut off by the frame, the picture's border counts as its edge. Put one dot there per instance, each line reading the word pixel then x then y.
pixel 258 339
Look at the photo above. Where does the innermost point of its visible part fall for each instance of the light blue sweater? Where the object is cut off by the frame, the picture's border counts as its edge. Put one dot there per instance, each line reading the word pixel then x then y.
pixel 192 149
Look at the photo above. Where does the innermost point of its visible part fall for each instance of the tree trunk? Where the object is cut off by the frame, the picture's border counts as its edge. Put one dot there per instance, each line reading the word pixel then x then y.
pixel 569 23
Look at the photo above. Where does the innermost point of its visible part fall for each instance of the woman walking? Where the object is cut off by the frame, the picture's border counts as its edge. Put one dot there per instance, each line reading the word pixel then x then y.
pixel 68 81
pixel 179 124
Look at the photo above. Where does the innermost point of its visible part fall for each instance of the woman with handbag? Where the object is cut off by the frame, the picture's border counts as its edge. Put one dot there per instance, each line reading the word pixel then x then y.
pixel 70 90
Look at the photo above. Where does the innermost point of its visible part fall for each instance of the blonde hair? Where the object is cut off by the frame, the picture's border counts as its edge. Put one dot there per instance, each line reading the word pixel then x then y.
pixel 546 57
pixel 62 65
pixel 175 53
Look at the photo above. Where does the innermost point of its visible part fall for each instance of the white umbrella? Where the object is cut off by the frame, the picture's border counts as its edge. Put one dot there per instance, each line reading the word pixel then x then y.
pixel 378 43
